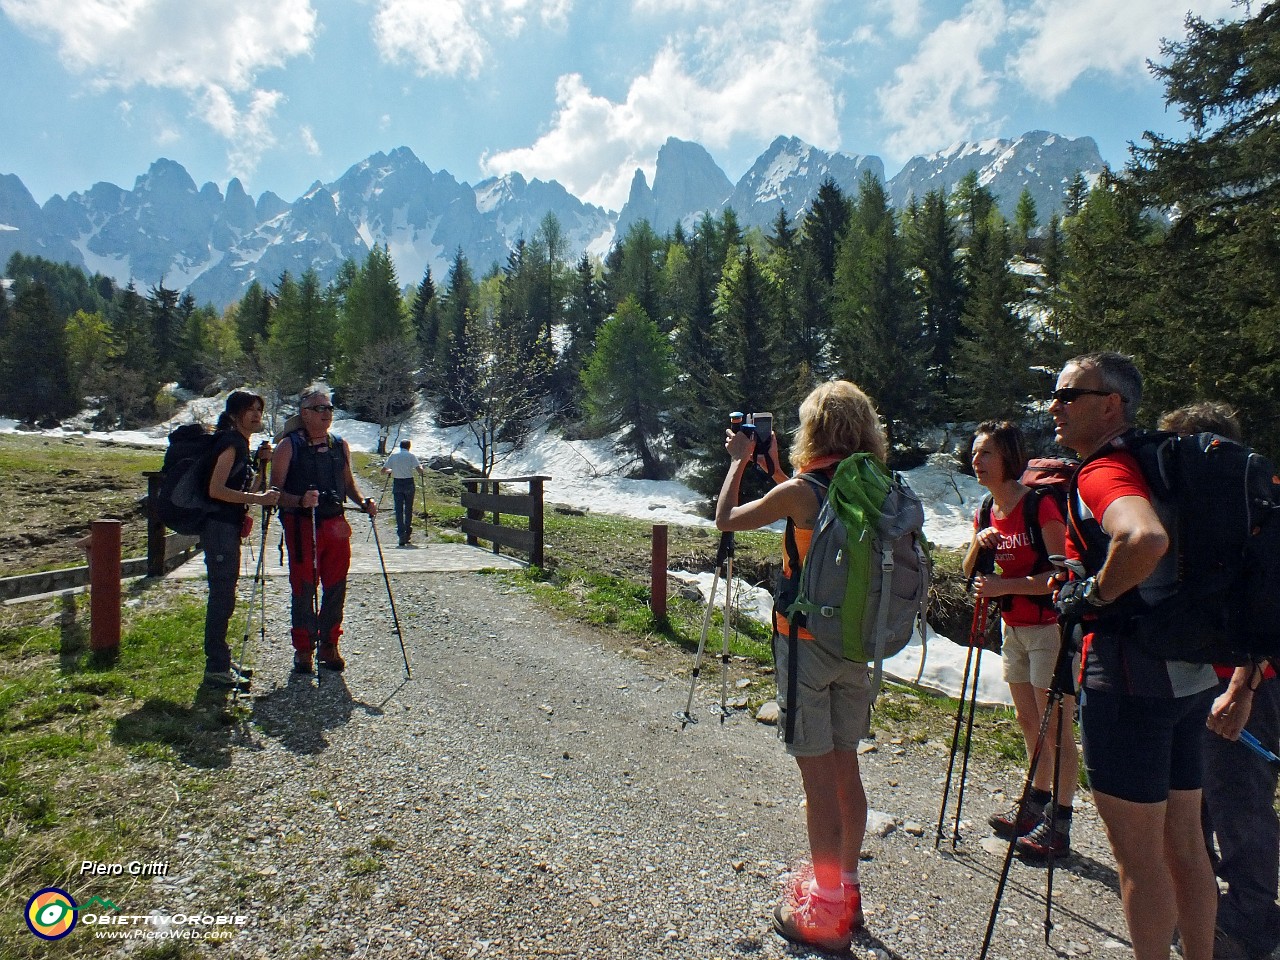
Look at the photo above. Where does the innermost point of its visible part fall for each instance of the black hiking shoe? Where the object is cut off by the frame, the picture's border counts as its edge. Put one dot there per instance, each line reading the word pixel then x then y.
pixel 1018 820
pixel 226 680
pixel 1048 838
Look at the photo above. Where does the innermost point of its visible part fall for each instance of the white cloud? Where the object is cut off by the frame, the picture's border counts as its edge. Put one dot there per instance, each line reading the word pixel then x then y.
pixel 210 50
pixel 945 92
pixel 1067 38
pixel 309 141
pixel 760 73
pixel 450 37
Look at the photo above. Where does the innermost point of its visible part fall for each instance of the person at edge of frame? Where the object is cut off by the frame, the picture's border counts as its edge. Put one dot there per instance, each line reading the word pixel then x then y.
pixel 312 469
pixel 401 465
pixel 1141 717
pixel 837 419
pixel 1239 811
pixel 234 485
pixel 1030 630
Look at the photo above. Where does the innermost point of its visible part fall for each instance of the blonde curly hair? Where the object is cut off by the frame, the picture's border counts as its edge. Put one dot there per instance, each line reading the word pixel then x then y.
pixel 838 419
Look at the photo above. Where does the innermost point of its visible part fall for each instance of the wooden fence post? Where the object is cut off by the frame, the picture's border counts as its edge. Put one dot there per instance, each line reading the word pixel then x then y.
pixel 658 572
pixel 536 521
pixel 104 586
pixel 155 528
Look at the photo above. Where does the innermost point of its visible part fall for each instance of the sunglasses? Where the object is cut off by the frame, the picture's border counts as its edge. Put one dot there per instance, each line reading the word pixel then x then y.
pixel 1069 394
pixel 321 408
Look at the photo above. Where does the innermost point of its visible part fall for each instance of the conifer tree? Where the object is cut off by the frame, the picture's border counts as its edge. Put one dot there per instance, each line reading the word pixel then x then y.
pixel 939 285
pixel 878 333
pixel 626 382
pixel 994 357
pixel 36 384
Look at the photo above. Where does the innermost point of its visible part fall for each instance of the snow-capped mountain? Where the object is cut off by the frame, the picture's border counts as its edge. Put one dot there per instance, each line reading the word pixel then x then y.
pixel 788 175
pixel 166 229
pixel 1043 163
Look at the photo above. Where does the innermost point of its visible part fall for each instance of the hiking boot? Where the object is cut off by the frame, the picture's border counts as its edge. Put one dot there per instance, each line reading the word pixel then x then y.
pixel 330 658
pixel 1228 947
pixel 302 662
pixel 814 922
pixel 1018 820
pixel 1047 838
pixel 852 898
pixel 226 680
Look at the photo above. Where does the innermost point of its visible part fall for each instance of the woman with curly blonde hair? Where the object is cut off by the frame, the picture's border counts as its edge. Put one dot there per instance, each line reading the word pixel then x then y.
pixel 832 711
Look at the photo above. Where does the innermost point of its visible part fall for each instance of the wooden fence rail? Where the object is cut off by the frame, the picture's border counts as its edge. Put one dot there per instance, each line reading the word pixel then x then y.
pixel 484 495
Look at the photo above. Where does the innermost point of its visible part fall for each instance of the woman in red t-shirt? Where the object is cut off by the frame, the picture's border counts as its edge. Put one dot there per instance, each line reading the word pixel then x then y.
pixel 1030 630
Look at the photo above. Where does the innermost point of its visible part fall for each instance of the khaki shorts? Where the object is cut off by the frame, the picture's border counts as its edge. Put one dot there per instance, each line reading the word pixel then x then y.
pixel 833 708
pixel 1029 653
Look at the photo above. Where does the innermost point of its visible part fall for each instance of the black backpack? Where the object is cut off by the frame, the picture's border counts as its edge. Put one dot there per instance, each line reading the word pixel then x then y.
pixel 1043 477
pixel 183 503
pixel 1215 597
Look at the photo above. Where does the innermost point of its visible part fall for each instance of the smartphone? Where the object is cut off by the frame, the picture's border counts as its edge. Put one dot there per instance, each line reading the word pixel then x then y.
pixel 764 429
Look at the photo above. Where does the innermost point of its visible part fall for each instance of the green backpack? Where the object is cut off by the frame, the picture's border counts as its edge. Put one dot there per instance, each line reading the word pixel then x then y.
pixel 864 583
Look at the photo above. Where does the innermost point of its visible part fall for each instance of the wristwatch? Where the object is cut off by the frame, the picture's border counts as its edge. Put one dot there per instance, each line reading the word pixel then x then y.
pixel 1091 595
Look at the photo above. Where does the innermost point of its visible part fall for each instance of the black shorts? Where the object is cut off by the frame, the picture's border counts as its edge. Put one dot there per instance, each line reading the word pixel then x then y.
pixel 1140 748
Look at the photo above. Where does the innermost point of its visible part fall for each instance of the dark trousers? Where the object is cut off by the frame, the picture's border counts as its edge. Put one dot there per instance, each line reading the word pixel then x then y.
pixel 402 493
pixel 1239 805
pixel 221 544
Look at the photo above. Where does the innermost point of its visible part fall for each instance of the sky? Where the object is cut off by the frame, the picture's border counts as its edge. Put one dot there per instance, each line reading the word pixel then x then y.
pixel 285 93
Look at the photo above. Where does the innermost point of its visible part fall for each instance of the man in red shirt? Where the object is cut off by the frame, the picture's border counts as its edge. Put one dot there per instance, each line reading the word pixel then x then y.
pixel 1141 718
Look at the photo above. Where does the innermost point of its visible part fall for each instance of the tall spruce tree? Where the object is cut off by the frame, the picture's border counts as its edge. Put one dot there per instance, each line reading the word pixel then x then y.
pixel 626 382
pixel 1213 274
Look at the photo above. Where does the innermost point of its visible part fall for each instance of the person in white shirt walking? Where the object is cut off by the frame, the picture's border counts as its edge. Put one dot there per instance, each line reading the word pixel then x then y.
pixel 401 465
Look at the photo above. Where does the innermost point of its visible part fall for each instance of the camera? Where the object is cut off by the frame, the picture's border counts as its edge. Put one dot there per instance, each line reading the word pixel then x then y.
pixel 759 425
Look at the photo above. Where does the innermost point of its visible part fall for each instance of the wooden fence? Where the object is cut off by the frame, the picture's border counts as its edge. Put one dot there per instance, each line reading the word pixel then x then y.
pixel 165 551
pixel 485 496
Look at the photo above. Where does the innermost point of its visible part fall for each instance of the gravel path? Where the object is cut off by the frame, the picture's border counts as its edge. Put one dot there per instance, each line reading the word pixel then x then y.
pixel 528 793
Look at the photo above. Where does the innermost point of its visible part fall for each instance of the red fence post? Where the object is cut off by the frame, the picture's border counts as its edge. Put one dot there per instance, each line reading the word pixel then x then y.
pixel 658 572
pixel 104 586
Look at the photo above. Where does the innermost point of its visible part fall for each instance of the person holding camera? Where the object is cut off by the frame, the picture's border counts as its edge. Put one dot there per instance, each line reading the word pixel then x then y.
pixel 234 485
pixel 312 469
pixel 833 708
pixel 402 465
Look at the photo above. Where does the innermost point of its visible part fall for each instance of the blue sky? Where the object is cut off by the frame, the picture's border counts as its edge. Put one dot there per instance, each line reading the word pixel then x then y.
pixel 286 92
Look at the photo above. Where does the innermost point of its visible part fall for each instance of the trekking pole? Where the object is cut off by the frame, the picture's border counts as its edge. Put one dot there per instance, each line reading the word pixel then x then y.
pixel 1061 679
pixel 385 484
pixel 974 649
pixel 1053 817
pixel 373 523
pixel 315 589
pixel 728 616
pixel 426 528
pixel 726 541
pixel 973 708
pixel 259 589
pixel 1252 742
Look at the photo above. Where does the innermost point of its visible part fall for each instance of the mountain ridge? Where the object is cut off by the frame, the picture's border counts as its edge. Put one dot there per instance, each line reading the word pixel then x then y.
pixel 212 243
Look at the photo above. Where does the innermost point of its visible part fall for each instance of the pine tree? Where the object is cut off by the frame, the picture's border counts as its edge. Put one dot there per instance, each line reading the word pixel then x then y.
pixel 626 382
pixel 993 376
pixel 1214 303
pixel 878 332
pixel 36 384
pixel 940 287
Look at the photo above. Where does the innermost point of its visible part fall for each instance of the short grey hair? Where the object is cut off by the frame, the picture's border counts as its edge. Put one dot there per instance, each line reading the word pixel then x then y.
pixel 1118 372
pixel 316 389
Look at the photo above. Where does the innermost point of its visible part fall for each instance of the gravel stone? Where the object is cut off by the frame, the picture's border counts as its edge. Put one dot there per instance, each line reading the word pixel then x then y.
pixel 529 793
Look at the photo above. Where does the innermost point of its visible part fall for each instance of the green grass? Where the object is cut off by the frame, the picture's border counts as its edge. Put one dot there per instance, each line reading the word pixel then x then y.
pixel 96 753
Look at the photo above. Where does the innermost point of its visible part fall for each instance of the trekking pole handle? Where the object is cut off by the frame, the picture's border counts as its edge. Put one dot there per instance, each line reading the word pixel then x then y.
pixel 1252 742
